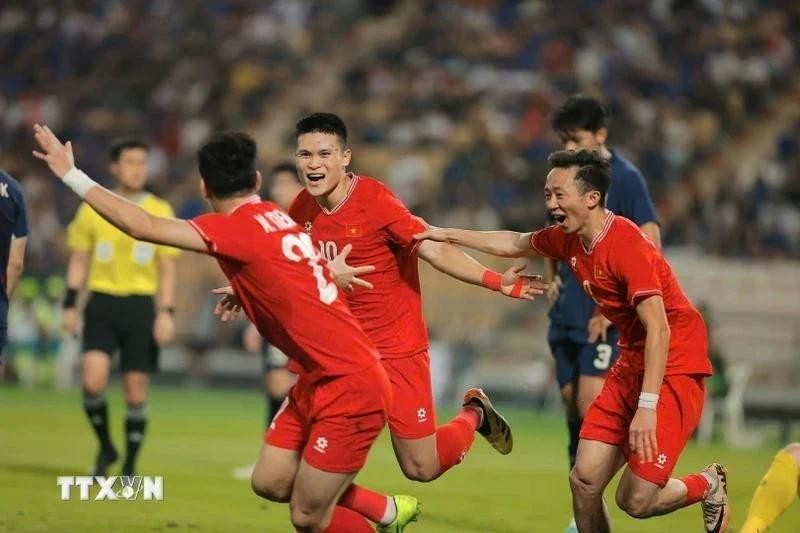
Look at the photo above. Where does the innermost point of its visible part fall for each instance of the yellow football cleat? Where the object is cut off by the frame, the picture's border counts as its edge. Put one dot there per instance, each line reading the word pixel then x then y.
pixel 408 510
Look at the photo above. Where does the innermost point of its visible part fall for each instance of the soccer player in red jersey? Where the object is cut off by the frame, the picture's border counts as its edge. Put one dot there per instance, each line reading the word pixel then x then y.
pixel 344 211
pixel 652 399
pixel 343 395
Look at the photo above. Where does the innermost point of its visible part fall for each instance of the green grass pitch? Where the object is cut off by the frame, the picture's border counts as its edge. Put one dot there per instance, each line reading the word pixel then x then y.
pixel 196 437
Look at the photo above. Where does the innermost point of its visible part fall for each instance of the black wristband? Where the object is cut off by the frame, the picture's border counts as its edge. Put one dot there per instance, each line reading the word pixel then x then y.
pixel 70 298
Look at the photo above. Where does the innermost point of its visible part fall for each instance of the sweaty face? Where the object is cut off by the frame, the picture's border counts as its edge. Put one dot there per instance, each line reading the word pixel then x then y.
pixel 321 161
pixel 582 139
pixel 284 188
pixel 565 202
pixel 131 168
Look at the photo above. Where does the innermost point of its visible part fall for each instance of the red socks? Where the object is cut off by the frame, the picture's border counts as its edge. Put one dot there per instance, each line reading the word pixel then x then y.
pixel 365 502
pixel 454 439
pixel 346 521
pixel 696 487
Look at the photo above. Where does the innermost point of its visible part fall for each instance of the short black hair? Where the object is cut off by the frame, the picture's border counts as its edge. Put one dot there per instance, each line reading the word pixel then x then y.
pixel 285 166
pixel 227 163
pixel 594 172
pixel 322 123
pixel 579 112
pixel 126 143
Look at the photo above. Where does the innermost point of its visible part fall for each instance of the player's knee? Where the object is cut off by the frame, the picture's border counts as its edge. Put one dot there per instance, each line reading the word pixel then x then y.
pixel 93 383
pixel 793 449
pixel 634 504
pixel 583 486
pixel 419 469
pixel 306 518
pixel 271 489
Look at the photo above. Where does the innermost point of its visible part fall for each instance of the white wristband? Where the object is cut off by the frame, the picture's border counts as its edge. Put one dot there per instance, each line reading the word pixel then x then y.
pixel 78 181
pixel 648 400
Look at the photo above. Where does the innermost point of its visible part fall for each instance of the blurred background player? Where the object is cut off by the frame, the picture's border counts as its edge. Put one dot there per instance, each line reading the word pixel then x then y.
pixel 340 210
pixel 320 440
pixel 13 237
pixel 664 364
pixel 582 341
pixel 778 489
pixel 283 185
pixel 121 314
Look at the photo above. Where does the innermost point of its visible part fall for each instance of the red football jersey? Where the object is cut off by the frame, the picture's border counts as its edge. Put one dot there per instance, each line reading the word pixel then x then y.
pixel 286 290
pixel 620 267
pixel 381 230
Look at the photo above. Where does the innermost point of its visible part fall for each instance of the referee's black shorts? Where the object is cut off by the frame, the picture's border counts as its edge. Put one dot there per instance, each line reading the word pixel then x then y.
pixel 123 323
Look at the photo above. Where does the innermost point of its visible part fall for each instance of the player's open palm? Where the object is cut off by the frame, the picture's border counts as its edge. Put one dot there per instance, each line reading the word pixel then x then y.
pixel 346 276
pixel 518 285
pixel 57 156
pixel 228 307
pixel 642 435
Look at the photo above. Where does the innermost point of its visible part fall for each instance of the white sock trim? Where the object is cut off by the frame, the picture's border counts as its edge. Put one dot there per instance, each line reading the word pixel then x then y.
pixel 78 181
pixel 390 513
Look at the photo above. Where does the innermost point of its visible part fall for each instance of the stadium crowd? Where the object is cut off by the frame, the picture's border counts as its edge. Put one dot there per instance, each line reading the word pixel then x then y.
pixel 448 101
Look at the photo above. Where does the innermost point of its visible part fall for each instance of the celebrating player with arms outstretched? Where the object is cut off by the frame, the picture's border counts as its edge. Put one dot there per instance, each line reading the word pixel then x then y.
pixel 342 397
pixel 652 398
pixel 347 213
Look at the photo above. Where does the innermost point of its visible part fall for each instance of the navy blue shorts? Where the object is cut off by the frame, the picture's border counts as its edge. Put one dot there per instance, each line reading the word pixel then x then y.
pixel 576 357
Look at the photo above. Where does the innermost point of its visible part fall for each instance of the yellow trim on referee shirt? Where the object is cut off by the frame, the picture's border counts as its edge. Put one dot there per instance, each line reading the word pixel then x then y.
pixel 120 265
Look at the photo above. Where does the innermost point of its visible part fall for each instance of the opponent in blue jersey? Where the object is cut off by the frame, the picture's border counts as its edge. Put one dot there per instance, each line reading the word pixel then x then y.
pixel 13 234
pixel 583 342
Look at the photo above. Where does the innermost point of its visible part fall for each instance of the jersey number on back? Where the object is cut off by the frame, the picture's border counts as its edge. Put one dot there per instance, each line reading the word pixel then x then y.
pixel 298 247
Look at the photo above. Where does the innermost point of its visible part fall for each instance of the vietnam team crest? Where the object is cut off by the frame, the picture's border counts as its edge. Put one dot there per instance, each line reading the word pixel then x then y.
pixel 307 227
pixel 353 230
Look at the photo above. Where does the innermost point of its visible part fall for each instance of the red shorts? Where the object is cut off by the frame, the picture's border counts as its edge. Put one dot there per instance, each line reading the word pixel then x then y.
pixel 680 404
pixel 334 421
pixel 413 414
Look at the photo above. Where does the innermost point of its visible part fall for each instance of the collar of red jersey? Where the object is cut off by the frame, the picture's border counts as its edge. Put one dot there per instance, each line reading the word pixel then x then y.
pixel 350 188
pixel 254 199
pixel 603 232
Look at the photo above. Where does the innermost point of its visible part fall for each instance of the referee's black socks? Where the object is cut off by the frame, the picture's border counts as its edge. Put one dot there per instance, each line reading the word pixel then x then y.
pixel 96 409
pixel 135 426
pixel 97 412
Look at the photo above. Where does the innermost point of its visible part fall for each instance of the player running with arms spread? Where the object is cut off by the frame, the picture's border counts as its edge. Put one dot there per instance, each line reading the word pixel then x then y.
pixel 342 397
pixel 653 396
pixel 358 217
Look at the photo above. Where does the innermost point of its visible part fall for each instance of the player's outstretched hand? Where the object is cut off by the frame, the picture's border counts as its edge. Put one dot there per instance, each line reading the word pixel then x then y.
pixel 518 285
pixel 598 328
pixel 228 307
pixel 346 276
pixel 57 156
pixel 642 435
pixel 434 234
